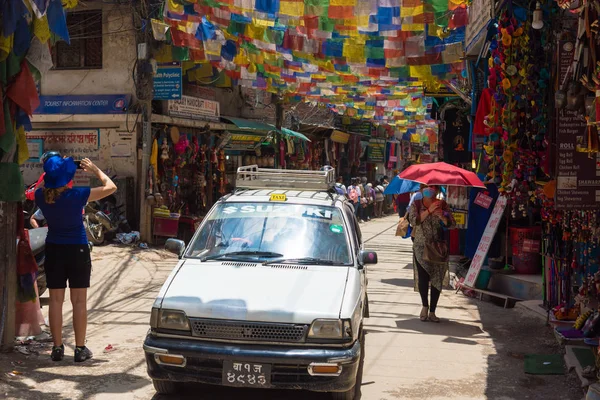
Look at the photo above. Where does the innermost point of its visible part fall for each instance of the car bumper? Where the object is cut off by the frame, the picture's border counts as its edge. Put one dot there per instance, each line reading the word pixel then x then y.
pixel 289 365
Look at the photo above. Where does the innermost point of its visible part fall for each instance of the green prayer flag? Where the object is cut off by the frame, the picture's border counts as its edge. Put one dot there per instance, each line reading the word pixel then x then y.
pixel 11 184
pixel 8 140
pixel 374 52
pixel 180 53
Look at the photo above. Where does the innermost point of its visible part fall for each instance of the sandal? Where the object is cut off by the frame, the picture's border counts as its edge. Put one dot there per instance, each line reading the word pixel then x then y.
pixel 433 318
pixel 424 311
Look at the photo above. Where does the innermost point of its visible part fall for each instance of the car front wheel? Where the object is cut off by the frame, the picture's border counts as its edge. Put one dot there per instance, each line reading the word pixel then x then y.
pixel 351 394
pixel 165 387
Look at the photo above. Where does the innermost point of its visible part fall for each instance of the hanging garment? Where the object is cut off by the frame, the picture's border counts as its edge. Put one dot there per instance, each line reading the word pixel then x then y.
pixel 483 110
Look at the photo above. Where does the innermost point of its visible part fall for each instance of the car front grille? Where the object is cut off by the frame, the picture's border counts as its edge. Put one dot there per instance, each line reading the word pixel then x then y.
pixel 248 331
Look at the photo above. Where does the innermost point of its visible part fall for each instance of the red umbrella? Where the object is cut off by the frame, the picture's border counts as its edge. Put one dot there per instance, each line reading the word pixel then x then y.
pixel 440 173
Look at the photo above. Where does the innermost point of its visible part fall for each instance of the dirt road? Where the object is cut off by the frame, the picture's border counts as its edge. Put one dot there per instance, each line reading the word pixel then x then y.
pixel 475 353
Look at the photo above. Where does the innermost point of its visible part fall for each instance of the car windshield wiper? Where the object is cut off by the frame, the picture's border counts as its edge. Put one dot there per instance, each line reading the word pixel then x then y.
pixel 304 261
pixel 234 254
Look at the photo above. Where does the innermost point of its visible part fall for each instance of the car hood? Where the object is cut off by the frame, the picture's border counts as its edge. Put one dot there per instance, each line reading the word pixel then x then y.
pixel 253 292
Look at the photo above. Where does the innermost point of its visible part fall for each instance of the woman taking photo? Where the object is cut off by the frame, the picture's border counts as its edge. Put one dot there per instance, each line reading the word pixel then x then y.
pixel 67 252
pixel 428 217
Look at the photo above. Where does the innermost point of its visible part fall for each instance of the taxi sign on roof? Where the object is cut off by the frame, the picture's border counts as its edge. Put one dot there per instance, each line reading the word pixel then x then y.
pixel 278 197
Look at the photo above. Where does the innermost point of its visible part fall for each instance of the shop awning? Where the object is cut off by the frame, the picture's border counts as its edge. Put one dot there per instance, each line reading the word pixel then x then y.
pixel 289 132
pixel 247 124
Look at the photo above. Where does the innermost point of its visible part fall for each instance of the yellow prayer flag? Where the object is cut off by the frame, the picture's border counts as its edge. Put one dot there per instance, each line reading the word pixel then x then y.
pixel 265 23
pixel 420 71
pixel 23 150
pixel 342 3
pixel 411 12
pixel 41 30
pixel 163 54
pixel 69 4
pixel 413 27
pixel 175 7
pixel 292 8
pixel 255 32
pixel 6 45
pixel 362 20
pixel 354 52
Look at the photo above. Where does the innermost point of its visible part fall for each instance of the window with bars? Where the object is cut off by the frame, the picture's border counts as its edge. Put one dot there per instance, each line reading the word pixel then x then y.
pixel 85 50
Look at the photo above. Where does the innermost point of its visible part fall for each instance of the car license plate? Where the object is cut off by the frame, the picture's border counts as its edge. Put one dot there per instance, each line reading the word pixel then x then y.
pixel 246 374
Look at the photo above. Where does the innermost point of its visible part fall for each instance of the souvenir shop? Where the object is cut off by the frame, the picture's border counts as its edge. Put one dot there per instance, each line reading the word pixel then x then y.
pixel 185 178
pixel 507 142
pixel 534 140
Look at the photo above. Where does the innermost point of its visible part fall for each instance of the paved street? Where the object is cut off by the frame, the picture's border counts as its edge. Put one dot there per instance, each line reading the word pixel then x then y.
pixel 475 353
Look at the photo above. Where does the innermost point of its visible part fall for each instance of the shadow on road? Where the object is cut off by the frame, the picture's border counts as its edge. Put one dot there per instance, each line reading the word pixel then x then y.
pixel 450 328
pixel 514 335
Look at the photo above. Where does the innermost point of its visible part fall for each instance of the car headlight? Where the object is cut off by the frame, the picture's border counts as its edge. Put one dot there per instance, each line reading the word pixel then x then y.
pixel 173 320
pixel 330 329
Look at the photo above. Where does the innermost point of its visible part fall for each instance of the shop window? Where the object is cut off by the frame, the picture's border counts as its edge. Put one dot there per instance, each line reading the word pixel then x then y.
pixel 85 50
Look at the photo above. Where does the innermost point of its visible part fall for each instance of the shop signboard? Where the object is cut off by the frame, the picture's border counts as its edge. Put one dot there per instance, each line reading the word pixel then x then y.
pixel 578 172
pixel 485 242
pixel 243 141
pixel 339 137
pixel 85 104
pixel 460 217
pixel 480 15
pixel 168 82
pixel 376 150
pixel 483 200
pixel 352 125
pixel 194 108
pixel 76 143
pixel 36 150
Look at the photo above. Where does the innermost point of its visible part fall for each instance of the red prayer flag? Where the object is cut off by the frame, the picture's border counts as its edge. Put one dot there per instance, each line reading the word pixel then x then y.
pixel 23 91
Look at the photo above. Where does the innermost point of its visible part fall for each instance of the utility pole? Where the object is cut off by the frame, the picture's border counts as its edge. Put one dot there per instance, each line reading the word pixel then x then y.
pixel 144 94
pixel 278 124
pixel 8 273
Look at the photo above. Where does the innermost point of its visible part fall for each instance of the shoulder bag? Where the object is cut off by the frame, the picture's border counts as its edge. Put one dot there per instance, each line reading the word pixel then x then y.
pixel 403 225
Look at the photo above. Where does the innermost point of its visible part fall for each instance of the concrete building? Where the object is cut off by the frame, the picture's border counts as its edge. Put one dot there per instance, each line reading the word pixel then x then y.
pixel 85 97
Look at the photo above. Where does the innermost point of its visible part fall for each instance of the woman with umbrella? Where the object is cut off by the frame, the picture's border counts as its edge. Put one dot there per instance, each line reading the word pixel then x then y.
pixel 429 217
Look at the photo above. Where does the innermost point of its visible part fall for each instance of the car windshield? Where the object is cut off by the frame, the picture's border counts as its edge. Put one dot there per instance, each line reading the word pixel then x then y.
pixel 270 232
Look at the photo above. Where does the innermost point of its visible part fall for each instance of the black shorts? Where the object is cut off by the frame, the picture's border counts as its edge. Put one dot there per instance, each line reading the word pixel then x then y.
pixel 68 262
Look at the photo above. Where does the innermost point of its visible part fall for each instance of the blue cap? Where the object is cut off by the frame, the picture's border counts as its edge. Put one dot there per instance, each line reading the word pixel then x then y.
pixel 59 171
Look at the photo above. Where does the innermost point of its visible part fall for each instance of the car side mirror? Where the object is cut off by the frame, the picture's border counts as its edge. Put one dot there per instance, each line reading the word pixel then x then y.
pixel 175 246
pixel 368 257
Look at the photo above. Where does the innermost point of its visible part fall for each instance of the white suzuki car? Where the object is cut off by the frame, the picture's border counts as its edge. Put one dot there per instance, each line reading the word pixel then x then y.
pixel 270 293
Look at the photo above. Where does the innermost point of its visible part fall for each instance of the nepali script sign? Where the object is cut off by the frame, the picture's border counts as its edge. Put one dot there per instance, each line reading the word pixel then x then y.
pixel 485 242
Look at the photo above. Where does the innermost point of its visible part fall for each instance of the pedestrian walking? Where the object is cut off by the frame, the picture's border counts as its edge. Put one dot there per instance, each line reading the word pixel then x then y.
pixel 67 251
pixel 340 184
pixel 402 201
pixel 379 199
pixel 428 217
pixel 354 196
pixel 388 198
pixel 370 201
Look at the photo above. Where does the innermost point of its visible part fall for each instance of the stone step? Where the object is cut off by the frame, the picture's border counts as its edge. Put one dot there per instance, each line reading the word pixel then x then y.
pixel 525 287
pixel 573 363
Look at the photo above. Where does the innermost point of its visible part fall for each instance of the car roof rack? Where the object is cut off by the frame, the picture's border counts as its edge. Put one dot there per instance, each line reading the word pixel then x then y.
pixel 252 177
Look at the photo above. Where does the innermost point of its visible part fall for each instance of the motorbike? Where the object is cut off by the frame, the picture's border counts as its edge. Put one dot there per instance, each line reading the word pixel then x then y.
pixel 37 242
pixel 103 220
